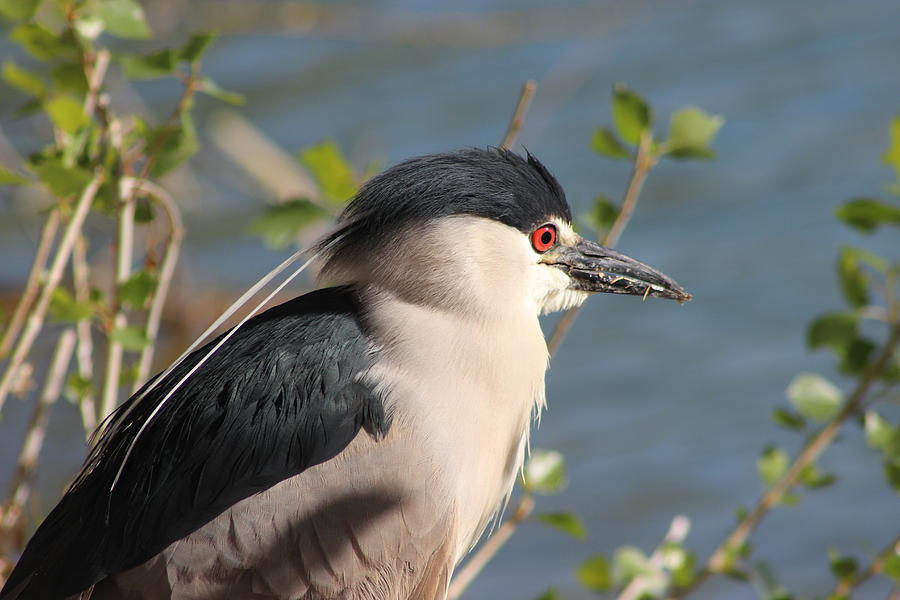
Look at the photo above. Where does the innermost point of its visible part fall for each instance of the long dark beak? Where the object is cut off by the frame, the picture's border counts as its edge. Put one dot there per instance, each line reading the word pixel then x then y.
pixel 596 268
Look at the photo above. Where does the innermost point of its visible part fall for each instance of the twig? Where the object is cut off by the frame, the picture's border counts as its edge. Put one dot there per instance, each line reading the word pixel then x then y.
pixel 166 273
pixel 35 319
pixel 85 349
pixel 124 247
pixel 48 233
pixel 720 558
pixel 678 530
pixel 95 74
pixel 845 586
pixel 644 161
pixel 518 117
pixel 464 577
pixel 19 489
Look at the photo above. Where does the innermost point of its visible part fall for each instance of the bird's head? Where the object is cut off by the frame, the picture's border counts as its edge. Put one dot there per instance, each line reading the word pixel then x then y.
pixel 481 231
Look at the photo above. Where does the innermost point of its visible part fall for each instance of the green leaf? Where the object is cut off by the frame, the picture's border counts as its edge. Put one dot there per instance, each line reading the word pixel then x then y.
pixel 606 143
pixel 855 357
pixel 23 80
pixel 866 214
pixel 812 478
pixel 842 567
pixel 331 171
pixel 69 77
pixel 138 288
pixel 148 66
pixel 143 211
pixel 833 330
pixel 61 180
pixel 211 88
pixel 123 18
pixel 89 26
pixel 196 46
pixel 814 397
pixel 131 338
pixel 788 419
pixel 680 563
pixel 771 465
pixel 65 309
pixel 565 522
pixel 77 387
pixel 174 145
pixel 545 472
pixel 890 566
pixel 892 474
pixel 880 434
pixel 550 594
pixel 853 280
pixel 691 131
pixel 42 43
pixel 18 10
pixel 603 214
pixel 281 223
pixel 892 156
pixel 594 574
pixel 631 115
pixel 8 177
pixel 67 113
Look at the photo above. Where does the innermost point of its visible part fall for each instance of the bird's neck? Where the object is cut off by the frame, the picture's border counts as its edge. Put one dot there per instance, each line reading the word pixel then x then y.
pixel 466 387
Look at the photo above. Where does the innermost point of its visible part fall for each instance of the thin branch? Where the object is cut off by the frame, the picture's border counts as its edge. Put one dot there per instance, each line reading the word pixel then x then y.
pixel 464 577
pixel 124 249
pixel 48 234
pixel 644 161
pixel 35 319
pixel 846 586
pixel 19 489
pixel 721 556
pixel 518 117
pixel 166 273
pixel 678 530
pixel 95 73
pixel 85 349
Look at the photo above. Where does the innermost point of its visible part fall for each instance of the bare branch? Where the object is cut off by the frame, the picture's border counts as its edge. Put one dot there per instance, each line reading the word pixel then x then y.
pixel 85 349
pixel 124 251
pixel 20 489
pixel 464 577
pixel 518 117
pixel 35 319
pixel 166 273
pixel 48 233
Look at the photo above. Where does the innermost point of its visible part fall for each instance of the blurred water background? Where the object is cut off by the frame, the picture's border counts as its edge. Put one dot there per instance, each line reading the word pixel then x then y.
pixel 660 409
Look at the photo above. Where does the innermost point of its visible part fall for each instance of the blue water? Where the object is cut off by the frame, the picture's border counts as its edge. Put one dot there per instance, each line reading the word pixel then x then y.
pixel 660 409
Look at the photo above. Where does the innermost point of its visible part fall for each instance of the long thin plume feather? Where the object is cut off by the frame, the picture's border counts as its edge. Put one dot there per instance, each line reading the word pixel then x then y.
pixel 230 311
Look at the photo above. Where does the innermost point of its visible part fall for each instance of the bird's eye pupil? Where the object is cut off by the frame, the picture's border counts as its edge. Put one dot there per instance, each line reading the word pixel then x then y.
pixel 546 237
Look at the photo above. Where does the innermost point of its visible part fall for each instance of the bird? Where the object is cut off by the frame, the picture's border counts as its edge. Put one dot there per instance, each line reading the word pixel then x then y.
pixel 356 441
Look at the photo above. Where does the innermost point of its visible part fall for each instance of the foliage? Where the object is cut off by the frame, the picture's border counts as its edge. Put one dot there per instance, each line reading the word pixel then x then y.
pixel 94 161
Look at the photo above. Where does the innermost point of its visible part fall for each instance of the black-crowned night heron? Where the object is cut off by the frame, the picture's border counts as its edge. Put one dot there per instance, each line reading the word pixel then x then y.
pixel 353 442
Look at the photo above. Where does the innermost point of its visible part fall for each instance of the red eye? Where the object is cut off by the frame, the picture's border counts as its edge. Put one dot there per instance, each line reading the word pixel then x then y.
pixel 543 237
